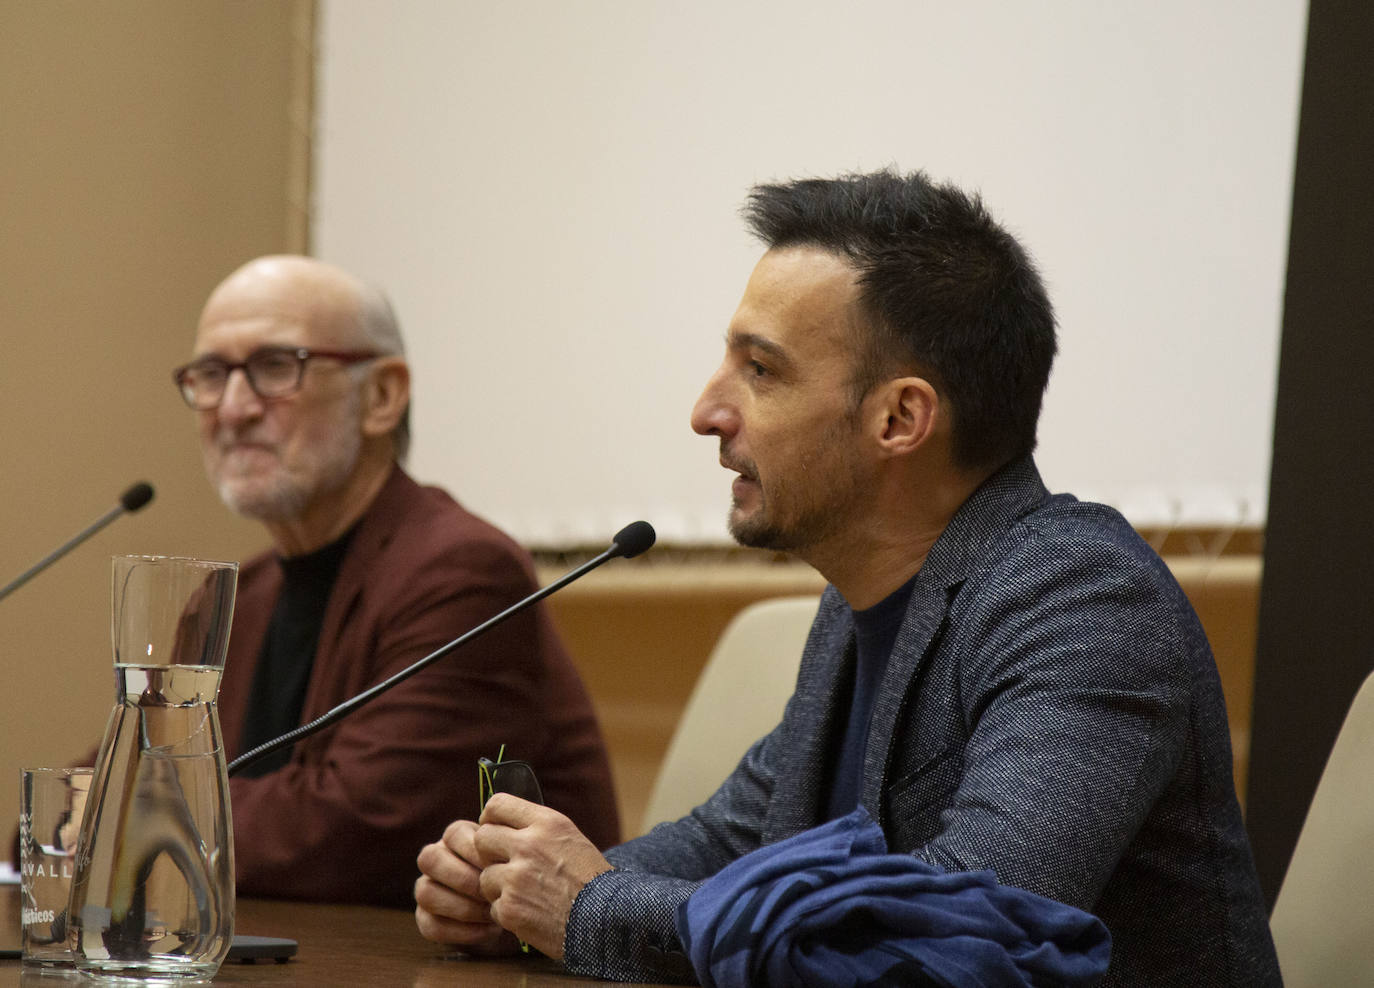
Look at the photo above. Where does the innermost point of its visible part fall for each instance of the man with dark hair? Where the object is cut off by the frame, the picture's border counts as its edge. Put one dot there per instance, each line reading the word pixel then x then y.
pixel 301 392
pixel 943 292
pixel 1003 678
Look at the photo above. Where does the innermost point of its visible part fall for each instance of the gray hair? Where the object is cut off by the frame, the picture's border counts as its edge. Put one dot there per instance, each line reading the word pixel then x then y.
pixel 378 324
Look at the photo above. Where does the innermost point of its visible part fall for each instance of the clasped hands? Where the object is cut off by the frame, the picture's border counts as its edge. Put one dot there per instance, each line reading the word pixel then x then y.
pixel 513 873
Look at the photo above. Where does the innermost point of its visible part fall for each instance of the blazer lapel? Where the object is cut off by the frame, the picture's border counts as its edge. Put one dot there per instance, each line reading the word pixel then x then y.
pixel 814 726
pixel 335 663
pixel 925 615
pixel 257 593
pixel 979 525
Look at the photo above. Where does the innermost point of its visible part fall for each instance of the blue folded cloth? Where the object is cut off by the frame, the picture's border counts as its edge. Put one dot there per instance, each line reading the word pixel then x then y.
pixel 831 907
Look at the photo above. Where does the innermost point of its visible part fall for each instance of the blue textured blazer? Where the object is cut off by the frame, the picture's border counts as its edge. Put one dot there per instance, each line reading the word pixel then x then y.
pixel 1051 711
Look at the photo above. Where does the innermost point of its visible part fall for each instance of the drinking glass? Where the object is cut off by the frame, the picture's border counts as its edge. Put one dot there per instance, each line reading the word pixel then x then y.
pixel 51 802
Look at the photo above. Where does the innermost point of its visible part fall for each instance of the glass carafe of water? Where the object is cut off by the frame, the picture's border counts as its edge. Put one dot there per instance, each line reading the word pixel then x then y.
pixel 153 891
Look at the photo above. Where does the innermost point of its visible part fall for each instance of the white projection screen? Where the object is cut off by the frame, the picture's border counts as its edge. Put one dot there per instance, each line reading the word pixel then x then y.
pixel 549 192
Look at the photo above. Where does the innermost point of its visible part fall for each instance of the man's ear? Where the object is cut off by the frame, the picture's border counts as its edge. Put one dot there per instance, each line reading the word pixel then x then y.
pixel 385 396
pixel 908 411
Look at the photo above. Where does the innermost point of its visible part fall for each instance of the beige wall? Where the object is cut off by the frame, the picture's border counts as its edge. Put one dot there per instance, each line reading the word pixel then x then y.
pixel 144 152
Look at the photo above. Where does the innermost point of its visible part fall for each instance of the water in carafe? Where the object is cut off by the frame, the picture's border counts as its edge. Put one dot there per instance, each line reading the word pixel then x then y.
pixel 153 895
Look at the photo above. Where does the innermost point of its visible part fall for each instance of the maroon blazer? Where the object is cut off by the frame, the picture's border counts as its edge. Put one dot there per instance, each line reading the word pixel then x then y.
pixel 345 819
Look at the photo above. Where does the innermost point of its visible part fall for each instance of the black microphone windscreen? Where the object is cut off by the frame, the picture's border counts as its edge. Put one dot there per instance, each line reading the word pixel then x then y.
pixel 634 538
pixel 136 496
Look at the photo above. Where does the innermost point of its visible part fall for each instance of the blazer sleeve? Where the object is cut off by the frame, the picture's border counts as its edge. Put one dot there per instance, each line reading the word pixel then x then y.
pixel 622 925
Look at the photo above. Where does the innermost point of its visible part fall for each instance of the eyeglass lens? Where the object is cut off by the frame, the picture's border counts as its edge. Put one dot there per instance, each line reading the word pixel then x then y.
pixel 271 373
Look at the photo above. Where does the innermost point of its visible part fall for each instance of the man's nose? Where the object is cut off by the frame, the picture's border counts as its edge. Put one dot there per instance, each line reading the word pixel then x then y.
pixel 239 401
pixel 714 414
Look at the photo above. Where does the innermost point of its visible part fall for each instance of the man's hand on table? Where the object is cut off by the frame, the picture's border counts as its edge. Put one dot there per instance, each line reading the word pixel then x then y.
pixel 518 869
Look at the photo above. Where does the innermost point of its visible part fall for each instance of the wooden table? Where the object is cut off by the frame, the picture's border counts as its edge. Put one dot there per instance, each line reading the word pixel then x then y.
pixel 339 945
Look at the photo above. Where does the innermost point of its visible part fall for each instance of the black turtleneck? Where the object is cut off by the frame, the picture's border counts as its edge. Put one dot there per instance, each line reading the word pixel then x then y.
pixel 288 651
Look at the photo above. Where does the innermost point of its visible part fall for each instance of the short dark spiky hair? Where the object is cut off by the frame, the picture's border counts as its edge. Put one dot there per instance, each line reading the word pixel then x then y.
pixel 945 290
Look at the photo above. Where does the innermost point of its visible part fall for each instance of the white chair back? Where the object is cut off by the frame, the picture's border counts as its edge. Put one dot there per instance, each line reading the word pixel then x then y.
pixel 738 698
pixel 1323 921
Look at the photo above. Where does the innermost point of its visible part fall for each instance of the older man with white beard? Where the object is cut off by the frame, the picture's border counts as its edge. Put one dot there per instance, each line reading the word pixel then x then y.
pixel 301 391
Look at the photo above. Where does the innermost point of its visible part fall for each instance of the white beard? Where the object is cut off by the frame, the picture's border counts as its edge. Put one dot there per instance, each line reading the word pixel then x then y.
pixel 288 489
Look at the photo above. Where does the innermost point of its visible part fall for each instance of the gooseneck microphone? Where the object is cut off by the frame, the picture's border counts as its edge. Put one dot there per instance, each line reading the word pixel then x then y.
pixel 131 500
pixel 633 539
